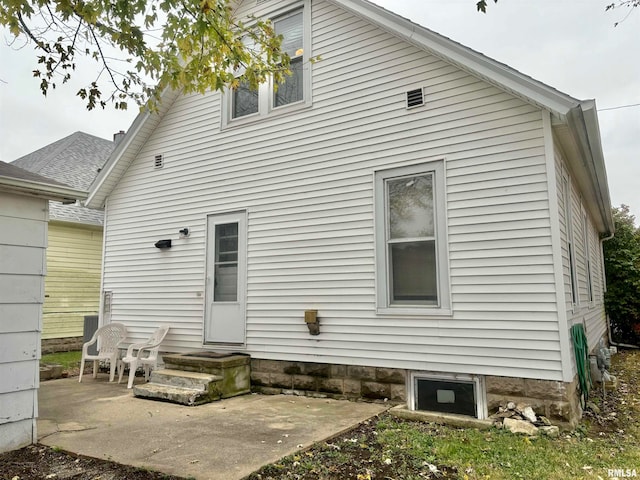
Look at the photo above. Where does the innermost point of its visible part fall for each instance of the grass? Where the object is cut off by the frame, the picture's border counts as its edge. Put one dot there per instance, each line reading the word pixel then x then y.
pixel 390 448
pixel 68 360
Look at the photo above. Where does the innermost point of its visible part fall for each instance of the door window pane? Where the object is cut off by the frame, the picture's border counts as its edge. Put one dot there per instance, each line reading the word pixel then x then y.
pixel 413 273
pixel 225 287
pixel 411 207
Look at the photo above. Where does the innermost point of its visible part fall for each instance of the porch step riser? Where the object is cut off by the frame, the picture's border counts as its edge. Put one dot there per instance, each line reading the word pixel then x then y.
pixel 182 396
pixel 169 378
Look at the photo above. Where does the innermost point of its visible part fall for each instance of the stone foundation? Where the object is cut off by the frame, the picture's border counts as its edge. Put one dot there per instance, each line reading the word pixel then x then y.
pixel 68 344
pixel 328 380
pixel 557 401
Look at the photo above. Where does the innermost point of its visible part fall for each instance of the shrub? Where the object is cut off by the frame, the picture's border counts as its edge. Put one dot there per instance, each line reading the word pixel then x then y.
pixel 622 270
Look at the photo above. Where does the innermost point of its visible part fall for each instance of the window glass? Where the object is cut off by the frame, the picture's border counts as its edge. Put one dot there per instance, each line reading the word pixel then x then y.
pixel 413 273
pixel 290 28
pixel 226 263
pixel 411 207
pixel 291 89
pixel 245 101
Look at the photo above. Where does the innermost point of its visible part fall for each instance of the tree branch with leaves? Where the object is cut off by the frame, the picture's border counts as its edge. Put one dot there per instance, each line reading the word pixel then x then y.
pixel 191 45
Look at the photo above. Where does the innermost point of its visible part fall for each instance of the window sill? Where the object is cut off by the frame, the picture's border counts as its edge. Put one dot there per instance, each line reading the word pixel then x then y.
pixel 258 117
pixel 413 311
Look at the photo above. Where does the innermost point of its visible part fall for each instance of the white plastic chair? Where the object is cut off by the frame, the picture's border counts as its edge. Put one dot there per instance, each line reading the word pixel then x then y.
pixel 109 338
pixel 147 356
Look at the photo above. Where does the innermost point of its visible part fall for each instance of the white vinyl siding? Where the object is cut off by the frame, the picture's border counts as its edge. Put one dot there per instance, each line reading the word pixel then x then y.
pixel 588 249
pixel 23 242
pixel 305 179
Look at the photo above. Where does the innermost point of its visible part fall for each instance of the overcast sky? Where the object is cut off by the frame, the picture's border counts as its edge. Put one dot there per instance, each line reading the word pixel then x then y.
pixel 570 45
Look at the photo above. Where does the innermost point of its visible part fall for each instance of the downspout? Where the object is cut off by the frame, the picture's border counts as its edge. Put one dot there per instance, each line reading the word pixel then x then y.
pixel 611 342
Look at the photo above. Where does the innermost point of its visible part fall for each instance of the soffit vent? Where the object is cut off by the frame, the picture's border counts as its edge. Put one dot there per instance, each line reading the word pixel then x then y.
pixel 415 98
pixel 158 161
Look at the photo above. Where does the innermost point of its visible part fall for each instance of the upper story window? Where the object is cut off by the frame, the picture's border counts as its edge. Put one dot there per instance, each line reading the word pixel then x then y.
pixel 292 89
pixel 411 241
pixel 244 104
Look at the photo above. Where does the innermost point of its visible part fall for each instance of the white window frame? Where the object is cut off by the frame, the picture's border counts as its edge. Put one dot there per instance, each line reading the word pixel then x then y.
pixel 265 90
pixel 477 380
pixel 383 303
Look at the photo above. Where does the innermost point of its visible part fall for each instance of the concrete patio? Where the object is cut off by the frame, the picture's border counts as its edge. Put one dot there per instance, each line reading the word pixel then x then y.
pixel 222 440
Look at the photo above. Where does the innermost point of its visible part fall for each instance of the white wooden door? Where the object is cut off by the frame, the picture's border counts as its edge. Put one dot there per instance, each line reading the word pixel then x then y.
pixel 226 278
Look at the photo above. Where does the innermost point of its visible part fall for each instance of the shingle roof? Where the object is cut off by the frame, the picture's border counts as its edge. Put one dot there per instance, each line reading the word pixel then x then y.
pixel 76 161
pixel 10 170
pixel 13 171
pixel 17 180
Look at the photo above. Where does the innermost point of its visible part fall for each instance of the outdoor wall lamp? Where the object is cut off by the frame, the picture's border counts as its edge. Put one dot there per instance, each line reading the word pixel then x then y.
pixel 312 321
pixel 163 243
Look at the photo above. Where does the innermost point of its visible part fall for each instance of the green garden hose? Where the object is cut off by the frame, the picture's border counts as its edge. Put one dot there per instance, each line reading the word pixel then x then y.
pixel 581 351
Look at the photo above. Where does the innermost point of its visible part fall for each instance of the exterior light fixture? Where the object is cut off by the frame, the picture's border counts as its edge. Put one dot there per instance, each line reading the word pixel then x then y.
pixel 163 243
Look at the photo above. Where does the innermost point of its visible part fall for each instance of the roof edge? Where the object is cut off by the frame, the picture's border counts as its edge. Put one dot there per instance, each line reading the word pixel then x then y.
pixel 41 189
pixel 583 124
pixel 95 199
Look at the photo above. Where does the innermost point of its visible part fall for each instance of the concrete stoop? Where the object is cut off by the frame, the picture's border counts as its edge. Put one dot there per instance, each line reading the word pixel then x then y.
pixel 176 386
pixel 197 378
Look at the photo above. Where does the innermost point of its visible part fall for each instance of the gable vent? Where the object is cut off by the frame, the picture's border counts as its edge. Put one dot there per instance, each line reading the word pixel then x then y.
pixel 158 161
pixel 415 98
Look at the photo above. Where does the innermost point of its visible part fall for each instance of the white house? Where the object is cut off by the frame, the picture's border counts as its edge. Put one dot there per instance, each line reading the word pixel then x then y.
pixel 24 212
pixel 440 211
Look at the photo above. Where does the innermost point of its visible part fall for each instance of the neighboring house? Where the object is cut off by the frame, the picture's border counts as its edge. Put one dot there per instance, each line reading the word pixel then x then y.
pixel 442 213
pixel 74 256
pixel 24 212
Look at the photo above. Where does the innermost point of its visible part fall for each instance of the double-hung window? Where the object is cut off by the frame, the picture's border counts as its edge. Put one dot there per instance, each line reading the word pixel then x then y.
pixel 411 241
pixel 244 104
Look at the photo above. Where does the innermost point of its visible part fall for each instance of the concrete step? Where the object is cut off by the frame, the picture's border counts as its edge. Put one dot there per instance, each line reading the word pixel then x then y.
pixel 183 379
pixel 183 396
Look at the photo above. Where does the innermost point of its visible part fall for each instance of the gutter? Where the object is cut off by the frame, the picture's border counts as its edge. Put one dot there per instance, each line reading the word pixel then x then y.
pixel 66 195
pixel 583 124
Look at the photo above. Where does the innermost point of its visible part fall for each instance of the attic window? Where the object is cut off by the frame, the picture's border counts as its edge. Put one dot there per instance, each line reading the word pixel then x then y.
pixel 158 161
pixel 415 98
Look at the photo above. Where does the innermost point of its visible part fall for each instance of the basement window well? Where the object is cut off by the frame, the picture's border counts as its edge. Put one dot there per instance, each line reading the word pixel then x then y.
pixel 457 394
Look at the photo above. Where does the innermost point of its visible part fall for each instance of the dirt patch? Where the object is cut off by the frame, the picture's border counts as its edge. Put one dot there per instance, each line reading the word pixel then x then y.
pixel 355 454
pixel 38 462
